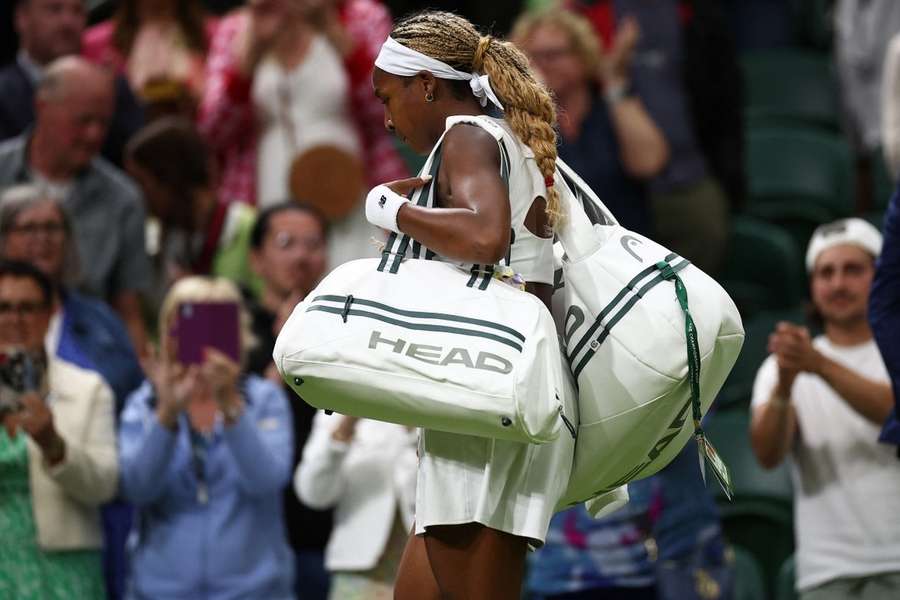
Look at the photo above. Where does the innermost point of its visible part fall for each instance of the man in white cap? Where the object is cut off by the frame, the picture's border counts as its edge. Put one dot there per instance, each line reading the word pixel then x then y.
pixel 822 402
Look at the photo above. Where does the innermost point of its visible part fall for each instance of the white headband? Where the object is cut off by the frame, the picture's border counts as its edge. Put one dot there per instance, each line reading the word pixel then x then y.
pixel 397 59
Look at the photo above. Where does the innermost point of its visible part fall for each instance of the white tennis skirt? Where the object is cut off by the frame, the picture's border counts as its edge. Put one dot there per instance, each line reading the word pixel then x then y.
pixel 508 486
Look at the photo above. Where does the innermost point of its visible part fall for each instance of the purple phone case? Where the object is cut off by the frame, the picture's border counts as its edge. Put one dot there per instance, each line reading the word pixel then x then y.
pixel 203 325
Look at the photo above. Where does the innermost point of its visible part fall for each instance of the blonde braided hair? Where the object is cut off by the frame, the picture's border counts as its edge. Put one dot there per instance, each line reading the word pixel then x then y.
pixel 530 110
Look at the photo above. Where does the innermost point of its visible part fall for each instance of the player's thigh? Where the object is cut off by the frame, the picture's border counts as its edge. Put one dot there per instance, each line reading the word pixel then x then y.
pixel 474 562
pixel 415 581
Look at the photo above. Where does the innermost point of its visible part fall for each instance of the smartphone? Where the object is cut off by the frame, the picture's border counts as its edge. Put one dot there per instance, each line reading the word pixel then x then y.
pixel 202 325
pixel 20 373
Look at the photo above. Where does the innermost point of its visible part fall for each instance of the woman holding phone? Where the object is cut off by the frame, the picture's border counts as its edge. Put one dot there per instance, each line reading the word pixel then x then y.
pixel 205 453
pixel 480 502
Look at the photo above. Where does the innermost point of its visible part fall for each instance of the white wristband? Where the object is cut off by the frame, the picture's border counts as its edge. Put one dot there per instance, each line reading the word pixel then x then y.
pixel 382 206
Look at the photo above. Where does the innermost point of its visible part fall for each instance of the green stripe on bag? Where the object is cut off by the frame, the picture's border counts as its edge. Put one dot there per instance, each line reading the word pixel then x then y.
pixel 415 326
pixel 422 315
pixel 615 301
pixel 638 294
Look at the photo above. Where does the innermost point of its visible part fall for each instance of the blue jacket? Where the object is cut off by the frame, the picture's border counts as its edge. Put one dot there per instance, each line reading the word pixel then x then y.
pixel 884 311
pixel 93 337
pixel 233 544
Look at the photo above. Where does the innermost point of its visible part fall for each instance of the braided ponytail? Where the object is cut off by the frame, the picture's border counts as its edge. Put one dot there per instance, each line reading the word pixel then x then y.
pixel 529 109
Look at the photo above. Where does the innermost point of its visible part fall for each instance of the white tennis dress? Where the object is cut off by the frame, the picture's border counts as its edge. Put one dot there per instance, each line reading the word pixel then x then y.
pixel 507 486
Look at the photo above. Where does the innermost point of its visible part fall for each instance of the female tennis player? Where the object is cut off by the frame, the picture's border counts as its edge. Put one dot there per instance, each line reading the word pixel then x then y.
pixel 480 502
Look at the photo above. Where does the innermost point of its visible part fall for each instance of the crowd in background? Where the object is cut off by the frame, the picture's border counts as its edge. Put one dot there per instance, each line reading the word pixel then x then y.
pixel 173 153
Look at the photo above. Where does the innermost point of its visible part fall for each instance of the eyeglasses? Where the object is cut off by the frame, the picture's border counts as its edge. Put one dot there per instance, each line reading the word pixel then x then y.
pixel 49 228
pixel 22 308
pixel 546 55
pixel 284 240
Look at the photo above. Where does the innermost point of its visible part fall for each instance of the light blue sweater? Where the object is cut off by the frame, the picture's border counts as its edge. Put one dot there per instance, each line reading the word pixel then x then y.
pixel 231 546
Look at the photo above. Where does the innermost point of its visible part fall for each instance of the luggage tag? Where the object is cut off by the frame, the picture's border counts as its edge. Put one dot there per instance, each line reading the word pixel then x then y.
pixel 719 468
pixel 705 449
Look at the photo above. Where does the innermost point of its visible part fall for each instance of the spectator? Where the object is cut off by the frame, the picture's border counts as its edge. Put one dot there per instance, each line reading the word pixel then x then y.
pixel 35 228
pixel 822 401
pixel 692 557
pixel 890 107
pixel 367 471
pixel 201 234
pixel 226 117
pixel 48 30
pixel 73 107
pixel 862 32
pixel 83 331
pixel 309 148
pixel 204 456
pixel 159 46
pixel 863 29
pixel 665 544
pixel 612 557
pixel 689 208
pixel 884 312
pixel 289 254
pixel 57 455
pixel 607 135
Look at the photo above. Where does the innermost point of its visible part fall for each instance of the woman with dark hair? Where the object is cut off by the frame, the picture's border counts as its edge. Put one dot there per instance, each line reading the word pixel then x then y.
pixel 199 234
pixel 160 46
pixel 58 459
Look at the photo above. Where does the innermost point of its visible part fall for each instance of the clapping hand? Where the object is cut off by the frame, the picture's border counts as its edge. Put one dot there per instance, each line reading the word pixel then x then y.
pixel 616 64
pixel 173 383
pixel 36 420
pixel 221 374
pixel 792 346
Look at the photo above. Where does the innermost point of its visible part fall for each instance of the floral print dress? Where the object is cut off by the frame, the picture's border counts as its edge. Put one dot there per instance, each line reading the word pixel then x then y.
pixel 26 571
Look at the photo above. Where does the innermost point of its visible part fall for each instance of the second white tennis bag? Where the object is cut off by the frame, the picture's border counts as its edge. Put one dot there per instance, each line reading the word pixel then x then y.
pixel 649 338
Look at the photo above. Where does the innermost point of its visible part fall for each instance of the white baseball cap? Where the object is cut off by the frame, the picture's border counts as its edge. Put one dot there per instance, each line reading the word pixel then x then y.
pixel 856 232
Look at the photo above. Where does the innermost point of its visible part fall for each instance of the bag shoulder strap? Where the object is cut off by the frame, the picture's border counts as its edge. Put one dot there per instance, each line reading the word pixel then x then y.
pixel 398 245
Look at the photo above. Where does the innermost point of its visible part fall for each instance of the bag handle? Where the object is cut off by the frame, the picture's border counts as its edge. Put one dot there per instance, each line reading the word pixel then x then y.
pixel 582 209
pixel 397 245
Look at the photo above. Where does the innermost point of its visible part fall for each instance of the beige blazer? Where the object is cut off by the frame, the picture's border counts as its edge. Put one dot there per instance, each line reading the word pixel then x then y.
pixel 65 497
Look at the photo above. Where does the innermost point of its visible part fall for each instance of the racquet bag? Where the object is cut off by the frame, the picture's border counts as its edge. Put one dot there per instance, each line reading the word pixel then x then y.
pixel 649 339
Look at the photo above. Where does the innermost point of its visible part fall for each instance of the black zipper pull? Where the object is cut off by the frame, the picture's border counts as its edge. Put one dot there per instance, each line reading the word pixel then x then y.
pixel 568 423
pixel 346 310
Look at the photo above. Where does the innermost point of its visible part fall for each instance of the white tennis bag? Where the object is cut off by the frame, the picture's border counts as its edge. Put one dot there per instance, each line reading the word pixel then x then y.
pixel 426 344
pixel 650 340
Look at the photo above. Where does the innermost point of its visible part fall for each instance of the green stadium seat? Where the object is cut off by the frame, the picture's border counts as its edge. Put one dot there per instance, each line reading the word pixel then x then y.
pixel 813 23
pixel 763 268
pixel 810 168
pixel 789 87
pixel 729 431
pixel 739 386
pixel 883 185
pixel 748 578
pixel 798 179
pixel 787 576
pixel 876 218
pixel 760 517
